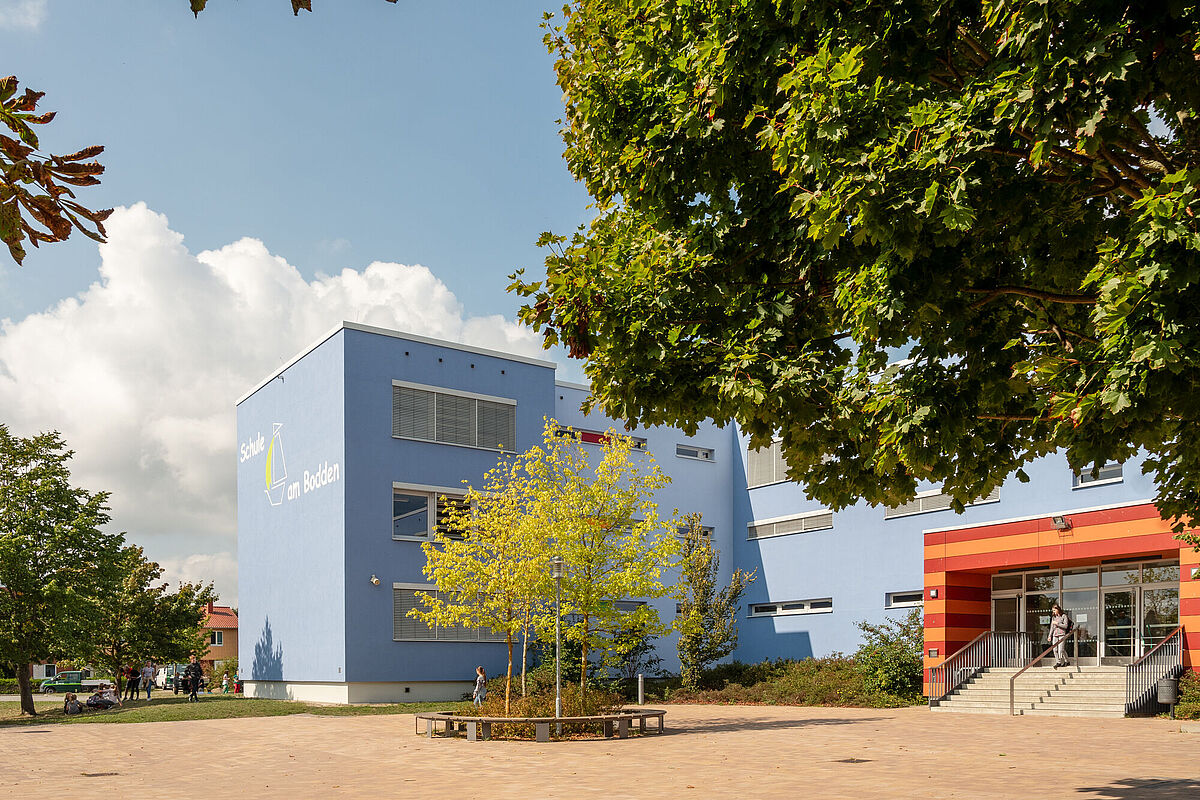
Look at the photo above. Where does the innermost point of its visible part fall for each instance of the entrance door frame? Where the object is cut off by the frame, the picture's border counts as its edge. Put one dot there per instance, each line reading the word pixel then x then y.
pixel 1009 594
pixel 1135 632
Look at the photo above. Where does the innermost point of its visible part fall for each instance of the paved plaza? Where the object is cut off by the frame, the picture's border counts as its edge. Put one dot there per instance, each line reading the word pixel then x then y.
pixel 707 752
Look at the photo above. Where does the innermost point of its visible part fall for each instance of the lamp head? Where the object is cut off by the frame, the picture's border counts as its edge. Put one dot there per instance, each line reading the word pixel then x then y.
pixel 557 567
pixel 374 580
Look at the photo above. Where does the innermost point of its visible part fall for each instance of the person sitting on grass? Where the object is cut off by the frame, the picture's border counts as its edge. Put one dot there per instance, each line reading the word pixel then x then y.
pixel 71 704
pixel 103 697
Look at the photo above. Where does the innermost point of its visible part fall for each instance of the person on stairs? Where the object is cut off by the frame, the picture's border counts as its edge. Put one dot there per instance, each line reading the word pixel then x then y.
pixel 1061 626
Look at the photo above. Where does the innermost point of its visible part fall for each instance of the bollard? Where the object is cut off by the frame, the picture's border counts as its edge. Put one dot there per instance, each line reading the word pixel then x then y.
pixel 641 689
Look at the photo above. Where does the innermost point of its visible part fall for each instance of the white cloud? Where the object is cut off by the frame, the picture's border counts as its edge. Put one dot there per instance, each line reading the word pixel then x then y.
pixel 26 14
pixel 141 371
pixel 221 568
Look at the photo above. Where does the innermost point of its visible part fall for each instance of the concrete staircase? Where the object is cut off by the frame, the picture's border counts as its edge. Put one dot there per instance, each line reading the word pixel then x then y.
pixel 1063 692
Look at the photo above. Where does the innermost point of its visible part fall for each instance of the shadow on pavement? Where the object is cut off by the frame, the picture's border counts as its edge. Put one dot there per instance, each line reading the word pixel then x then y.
pixel 715 726
pixel 1139 788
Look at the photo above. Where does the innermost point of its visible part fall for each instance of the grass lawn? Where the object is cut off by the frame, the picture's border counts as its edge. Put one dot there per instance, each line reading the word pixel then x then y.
pixel 217 706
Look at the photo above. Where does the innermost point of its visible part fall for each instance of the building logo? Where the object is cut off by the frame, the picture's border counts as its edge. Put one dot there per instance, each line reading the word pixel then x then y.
pixel 275 472
pixel 276 467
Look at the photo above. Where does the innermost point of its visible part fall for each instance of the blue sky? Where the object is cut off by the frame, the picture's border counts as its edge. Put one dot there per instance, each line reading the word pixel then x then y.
pixel 386 163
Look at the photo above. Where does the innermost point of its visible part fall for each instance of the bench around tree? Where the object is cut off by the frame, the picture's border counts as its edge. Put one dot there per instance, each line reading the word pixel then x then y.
pixel 481 727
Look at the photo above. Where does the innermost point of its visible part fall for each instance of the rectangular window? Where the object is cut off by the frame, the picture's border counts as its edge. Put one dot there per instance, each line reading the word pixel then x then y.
pixel 406 628
pixel 705 531
pixel 411 518
pixel 820 520
pixel 446 416
pixel 216 638
pixel 927 502
pixel 1109 472
pixel 904 599
pixel 766 466
pixel 690 451
pixel 596 437
pixel 822 605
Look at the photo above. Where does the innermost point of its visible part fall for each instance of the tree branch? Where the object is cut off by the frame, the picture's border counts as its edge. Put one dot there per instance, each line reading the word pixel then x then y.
pixel 1037 294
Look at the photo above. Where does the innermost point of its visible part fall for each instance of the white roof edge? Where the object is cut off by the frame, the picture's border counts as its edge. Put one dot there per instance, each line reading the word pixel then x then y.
pixel 1039 516
pixel 412 337
pixel 583 387
pixel 284 367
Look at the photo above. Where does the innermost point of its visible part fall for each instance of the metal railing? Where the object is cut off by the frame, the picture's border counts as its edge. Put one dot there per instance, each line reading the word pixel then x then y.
pixel 1165 660
pixel 990 649
pixel 1012 682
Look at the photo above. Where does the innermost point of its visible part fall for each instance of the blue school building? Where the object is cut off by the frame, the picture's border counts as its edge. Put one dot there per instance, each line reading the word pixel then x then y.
pixel 346 453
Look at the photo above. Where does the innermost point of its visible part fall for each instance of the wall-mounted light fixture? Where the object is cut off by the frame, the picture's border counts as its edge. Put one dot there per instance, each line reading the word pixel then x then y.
pixel 1061 523
pixel 374 580
pixel 933 652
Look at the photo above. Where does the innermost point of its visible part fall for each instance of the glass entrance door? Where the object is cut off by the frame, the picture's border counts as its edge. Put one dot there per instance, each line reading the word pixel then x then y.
pixel 1120 626
pixel 1006 613
pixel 1160 615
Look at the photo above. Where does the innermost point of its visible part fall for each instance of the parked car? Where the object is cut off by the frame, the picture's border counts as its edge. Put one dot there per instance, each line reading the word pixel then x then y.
pixel 68 681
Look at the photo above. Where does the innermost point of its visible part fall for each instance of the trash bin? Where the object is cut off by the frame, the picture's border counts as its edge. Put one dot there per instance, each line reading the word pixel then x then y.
pixel 1168 691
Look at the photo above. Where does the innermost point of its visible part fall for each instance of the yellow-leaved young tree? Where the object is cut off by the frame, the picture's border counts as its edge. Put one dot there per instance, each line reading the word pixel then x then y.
pixel 602 520
pixel 488 560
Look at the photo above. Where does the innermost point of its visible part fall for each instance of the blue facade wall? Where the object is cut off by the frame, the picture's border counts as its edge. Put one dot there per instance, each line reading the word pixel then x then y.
pixel 291 596
pixel 375 461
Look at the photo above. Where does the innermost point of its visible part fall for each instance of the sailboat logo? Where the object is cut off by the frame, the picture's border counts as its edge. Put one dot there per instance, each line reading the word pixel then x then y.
pixel 276 467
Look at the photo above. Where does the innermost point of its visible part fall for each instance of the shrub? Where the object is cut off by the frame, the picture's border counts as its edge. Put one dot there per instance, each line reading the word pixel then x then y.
pixel 890 655
pixel 541 704
pixel 832 681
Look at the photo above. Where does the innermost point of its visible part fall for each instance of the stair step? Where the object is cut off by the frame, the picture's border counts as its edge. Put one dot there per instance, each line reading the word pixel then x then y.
pixel 1069 692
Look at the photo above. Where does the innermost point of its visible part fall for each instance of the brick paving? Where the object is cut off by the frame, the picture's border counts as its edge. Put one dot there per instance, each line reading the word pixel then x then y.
pixel 707 752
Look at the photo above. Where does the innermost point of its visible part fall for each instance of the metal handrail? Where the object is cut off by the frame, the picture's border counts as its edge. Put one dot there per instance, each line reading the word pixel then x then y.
pixel 978 654
pixel 1141 677
pixel 1012 682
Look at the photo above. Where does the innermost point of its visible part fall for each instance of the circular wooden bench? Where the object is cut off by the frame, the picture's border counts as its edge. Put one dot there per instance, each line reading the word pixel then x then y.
pixel 481 727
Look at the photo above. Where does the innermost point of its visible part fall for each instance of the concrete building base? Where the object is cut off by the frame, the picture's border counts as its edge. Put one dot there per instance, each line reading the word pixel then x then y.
pixel 359 692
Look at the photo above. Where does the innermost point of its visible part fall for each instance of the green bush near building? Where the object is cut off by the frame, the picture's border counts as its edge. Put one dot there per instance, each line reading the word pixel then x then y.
pixel 1189 696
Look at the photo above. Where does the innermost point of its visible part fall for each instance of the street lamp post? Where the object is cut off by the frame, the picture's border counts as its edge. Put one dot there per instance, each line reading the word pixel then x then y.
pixel 557 568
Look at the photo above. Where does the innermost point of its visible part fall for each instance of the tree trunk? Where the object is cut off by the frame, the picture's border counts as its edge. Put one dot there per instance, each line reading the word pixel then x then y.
pixel 583 665
pixel 508 678
pixel 524 650
pixel 25 682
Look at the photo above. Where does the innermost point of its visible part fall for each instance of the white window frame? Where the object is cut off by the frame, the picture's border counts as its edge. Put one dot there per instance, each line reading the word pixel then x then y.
pixel 780 608
pixel 890 600
pixel 758 523
pixel 776 462
pixel 639 443
pixel 1082 479
pixel 508 401
pixel 706 454
pixel 890 513
pixel 431 495
pixel 706 531
pixel 217 639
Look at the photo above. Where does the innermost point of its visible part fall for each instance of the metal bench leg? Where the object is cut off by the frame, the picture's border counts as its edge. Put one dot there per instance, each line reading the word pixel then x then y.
pixel 661 723
pixel 487 730
pixel 608 729
pixel 429 728
pixel 449 728
pixel 642 725
pixel 472 731
pixel 622 729
pixel 542 731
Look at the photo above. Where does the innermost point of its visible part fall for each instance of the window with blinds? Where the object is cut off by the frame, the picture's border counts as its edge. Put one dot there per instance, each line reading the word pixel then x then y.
pixel 411 517
pixel 802 523
pixel 933 501
pixel 448 417
pixel 406 628
pixel 1108 472
pixel 821 605
pixel 765 466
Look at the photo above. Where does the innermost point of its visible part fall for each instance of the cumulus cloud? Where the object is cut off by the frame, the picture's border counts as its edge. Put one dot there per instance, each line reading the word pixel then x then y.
pixel 22 14
pixel 141 371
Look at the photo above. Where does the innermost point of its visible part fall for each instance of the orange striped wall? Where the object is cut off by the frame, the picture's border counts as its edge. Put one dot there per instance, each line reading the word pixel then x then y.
pixel 959 564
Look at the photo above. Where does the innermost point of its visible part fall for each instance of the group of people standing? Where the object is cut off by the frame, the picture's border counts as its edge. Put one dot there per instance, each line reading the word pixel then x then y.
pixel 138 678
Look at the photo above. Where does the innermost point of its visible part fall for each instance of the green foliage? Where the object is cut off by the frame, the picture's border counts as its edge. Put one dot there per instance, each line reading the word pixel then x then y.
pixel 54 559
pixel 229 667
pixel 707 622
pixel 832 681
pixel 540 703
pixel 135 617
pixel 889 658
pixel 790 197
pixel 1189 696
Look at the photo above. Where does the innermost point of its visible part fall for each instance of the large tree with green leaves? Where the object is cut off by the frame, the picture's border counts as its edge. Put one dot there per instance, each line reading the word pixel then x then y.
pixel 917 240
pixel 54 559
pixel 136 616
pixel 708 612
